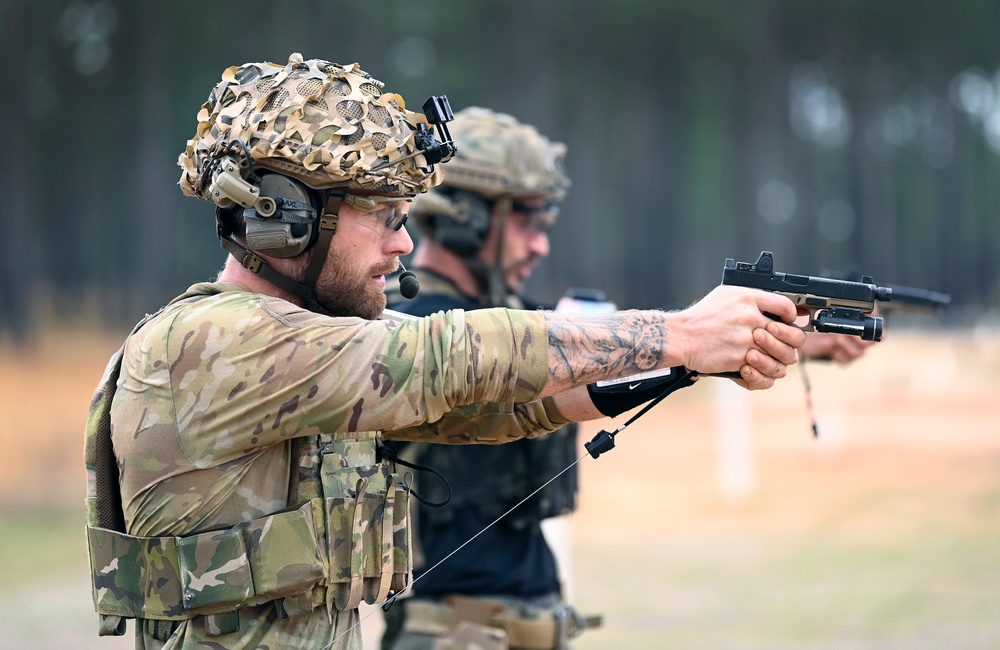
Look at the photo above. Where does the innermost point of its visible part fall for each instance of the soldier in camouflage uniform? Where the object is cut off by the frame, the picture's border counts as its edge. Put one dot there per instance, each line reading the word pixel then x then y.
pixel 236 497
pixel 483 230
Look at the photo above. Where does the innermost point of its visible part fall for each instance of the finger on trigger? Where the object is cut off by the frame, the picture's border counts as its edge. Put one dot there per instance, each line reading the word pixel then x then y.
pixel 779 306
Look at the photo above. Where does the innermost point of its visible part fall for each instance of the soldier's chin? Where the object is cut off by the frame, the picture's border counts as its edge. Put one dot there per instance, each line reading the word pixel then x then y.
pixel 513 282
pixel 375 306
pixel 368 307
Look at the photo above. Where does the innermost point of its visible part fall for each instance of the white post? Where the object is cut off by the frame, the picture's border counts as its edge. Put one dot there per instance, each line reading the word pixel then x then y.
pixel 736 472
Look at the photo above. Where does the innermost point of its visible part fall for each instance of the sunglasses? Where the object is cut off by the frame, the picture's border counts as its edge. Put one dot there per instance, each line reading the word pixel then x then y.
pixel 370 208
pixel 538 218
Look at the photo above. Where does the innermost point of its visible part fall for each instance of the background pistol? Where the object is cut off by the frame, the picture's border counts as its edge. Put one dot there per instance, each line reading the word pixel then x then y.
pixel 909 299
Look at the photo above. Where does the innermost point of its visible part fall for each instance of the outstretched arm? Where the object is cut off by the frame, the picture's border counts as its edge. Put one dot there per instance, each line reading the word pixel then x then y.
pixel 729 330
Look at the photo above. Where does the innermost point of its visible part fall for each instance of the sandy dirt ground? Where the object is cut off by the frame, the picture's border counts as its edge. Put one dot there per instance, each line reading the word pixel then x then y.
pixel 718 521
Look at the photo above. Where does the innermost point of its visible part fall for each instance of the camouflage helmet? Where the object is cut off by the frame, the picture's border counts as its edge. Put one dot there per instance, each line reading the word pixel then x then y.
pixel 326 124
pixel 498 158
pixel 501 157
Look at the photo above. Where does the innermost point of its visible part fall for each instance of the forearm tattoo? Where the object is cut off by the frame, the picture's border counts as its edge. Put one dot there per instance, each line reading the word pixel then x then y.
pixel 585 350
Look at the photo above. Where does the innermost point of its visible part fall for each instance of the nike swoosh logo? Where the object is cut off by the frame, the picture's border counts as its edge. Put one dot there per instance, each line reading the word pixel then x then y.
pixel 632 386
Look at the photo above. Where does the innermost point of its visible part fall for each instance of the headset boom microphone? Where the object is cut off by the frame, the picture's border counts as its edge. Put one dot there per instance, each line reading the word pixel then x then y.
pixel 409 286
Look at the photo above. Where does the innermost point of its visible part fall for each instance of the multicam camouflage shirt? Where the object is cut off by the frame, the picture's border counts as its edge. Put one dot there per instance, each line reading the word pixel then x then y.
pixel 214 388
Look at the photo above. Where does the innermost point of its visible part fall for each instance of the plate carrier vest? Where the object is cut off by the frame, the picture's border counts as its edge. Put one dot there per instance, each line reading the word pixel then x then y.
pixel 343 538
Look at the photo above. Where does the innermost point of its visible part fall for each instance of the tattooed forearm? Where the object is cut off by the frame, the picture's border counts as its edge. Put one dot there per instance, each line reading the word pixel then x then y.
pixel 583 351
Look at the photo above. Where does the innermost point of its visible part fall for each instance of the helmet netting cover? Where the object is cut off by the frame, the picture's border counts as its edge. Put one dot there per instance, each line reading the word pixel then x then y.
pixel 327 124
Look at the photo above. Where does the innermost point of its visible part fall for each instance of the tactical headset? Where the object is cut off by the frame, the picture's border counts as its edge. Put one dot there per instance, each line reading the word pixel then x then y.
pixel 292 228
pixel 464 230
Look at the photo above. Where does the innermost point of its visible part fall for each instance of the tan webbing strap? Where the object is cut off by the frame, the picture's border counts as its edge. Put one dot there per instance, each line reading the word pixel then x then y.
pixel 356 592
pixel 385 552
pixel 550 630
pixel 345 597
pixel 476 610
pixel 253 263
pixel 327 228
pixel 529 634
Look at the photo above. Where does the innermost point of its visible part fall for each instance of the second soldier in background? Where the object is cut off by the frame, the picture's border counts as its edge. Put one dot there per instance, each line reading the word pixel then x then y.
pixel 482 233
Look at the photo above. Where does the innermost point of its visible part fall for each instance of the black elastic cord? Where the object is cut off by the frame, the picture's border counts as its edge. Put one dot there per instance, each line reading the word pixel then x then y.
pixel 809 402
pixel 388 452
pixel 605 440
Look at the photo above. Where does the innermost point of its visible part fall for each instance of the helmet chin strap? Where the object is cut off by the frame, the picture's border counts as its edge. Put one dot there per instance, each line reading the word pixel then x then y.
pixel 491 275
pixel 255 264
pixel 497 284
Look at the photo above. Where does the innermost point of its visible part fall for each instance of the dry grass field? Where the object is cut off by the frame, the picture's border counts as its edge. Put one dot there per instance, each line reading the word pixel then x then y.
pixel 717 522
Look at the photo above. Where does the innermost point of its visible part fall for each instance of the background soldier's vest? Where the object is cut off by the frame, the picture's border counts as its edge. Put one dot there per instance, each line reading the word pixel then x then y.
pixel 525 464
pixel 344 538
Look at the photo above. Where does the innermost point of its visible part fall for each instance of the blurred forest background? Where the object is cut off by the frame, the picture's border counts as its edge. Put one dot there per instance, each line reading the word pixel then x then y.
pixel 855 132
pixel 832 132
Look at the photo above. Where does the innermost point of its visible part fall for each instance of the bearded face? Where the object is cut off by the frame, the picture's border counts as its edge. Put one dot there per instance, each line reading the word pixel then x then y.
pixel 525 241
pixel 367 246
pixel 349 290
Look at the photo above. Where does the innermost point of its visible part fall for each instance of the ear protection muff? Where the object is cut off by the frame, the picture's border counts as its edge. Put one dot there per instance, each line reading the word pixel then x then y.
pixel 282 217
pixel 292 228
pixel 464 233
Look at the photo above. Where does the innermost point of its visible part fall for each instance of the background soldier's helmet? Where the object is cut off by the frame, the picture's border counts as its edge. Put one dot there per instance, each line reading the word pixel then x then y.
pixel 498 157
pixel 325 124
